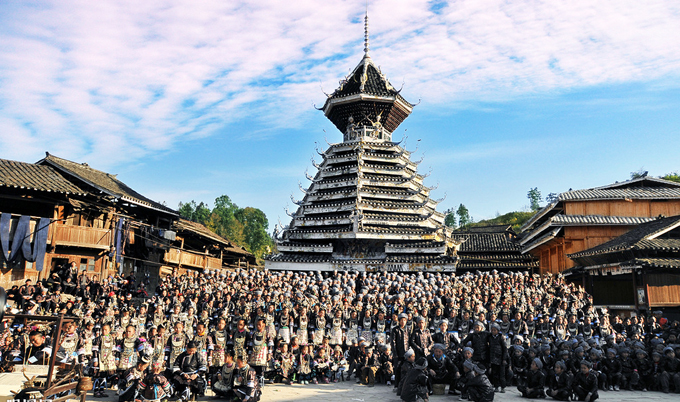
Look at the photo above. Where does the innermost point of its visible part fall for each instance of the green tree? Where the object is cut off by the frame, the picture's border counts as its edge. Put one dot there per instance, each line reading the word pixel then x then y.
pixel 638 174
pixel 194 212
pixel 534 196
pixel 672 176
pixel 463 216
pixel 450 218
pixel 552 197
pixel 255 225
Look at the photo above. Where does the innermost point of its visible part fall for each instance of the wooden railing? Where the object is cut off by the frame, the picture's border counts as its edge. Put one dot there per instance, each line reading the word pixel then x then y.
pixel 192 259
pixel 80 236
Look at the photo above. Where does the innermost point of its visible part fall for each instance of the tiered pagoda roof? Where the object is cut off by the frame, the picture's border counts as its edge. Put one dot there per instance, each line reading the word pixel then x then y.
pixel 367 207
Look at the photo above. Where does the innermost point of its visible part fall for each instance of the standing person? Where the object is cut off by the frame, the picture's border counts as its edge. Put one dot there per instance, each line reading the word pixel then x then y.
pixel 421 340
pixel 176 345
pixel 217 346
pixel 258 357
pixel 400 344
pixel 415 382
pixel 498 356
pixel 104 361
pixel 479 340
pixel 129 347
pixel 406 366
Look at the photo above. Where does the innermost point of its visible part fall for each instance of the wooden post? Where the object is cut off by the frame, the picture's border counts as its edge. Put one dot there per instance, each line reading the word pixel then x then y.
pixel 635 291
pixel 53 357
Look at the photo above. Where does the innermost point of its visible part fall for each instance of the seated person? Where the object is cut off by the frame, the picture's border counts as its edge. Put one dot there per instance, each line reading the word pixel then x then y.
pixel 478 386
pixel 246 386
pixel 154 386
pixel 585 383
pixel 223 385
pixel 415 382
pixel 188 370
pixel 441 368
pixel 130 381
pixel 39 351
pixel 559 385
pixel 535 381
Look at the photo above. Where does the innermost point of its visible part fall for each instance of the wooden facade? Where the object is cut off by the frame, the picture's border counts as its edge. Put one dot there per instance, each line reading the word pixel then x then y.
pixel 98 223
pixel 582 219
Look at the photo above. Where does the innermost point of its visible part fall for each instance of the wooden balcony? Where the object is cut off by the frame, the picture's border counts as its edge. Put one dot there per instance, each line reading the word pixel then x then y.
pixel 81 236
pixel 192 259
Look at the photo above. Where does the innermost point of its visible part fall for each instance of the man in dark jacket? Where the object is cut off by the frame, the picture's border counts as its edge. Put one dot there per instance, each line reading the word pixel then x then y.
pixel 406 366
pixel 441 369
pixel 400 344
pixel 498 357
pixel 535 381
pixel 189 369
pixel 421 340
pixel 478 386
pixel 479 341
pixel 415 383
pixel 559 385
pixel 671 372
pixel 449 341
pixel 585 383
pixel 611 367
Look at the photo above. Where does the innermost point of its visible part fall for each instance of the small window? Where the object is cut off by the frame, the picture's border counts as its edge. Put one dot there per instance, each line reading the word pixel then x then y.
pixel 90 265
pixel 83 264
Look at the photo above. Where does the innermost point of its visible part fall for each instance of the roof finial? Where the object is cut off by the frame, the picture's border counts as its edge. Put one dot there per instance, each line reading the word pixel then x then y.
pixel 366 47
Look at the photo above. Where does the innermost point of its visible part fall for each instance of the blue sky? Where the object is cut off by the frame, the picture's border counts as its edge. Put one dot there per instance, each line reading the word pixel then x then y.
pixel 190 101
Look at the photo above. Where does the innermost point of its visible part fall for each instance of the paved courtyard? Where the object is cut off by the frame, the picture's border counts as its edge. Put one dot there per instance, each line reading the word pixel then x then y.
pixel 351 392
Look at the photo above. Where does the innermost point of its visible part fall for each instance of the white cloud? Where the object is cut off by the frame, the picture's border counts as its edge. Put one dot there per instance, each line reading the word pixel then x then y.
pixel 114 81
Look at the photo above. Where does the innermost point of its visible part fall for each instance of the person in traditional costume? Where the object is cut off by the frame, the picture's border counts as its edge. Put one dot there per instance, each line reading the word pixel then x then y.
pixel 105 361
pixel 189 371
pixel 223 382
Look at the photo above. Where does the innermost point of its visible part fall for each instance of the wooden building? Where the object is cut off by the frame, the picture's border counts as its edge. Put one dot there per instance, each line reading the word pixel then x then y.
pixel 582 219
pixel 637 270
pixel 79 214
pixel 488 248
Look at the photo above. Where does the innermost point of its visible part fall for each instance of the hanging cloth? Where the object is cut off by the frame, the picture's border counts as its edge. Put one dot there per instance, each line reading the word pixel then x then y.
pixel 22 228
pixel 37 254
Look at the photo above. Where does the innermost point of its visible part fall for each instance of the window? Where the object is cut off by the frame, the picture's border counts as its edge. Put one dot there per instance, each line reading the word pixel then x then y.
pixel 83 264
pixel 90 265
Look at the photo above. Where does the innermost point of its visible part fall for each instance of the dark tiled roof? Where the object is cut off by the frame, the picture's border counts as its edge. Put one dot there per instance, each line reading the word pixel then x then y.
pixel 638 237
pixel 658 262
pixel 35 177
pixel 566 220
pixel 641 188
pixel 197 228
pixel 485 242
pixel 103 181
pixel 640 193
pixel 376 83
pixel 641 182
pixel 488 229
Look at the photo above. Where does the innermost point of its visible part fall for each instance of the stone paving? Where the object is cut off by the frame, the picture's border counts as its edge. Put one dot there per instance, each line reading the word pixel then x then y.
pixel 349 391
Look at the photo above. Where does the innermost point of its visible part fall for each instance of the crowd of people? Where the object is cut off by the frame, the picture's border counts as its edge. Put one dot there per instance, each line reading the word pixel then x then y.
pixel 419 333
